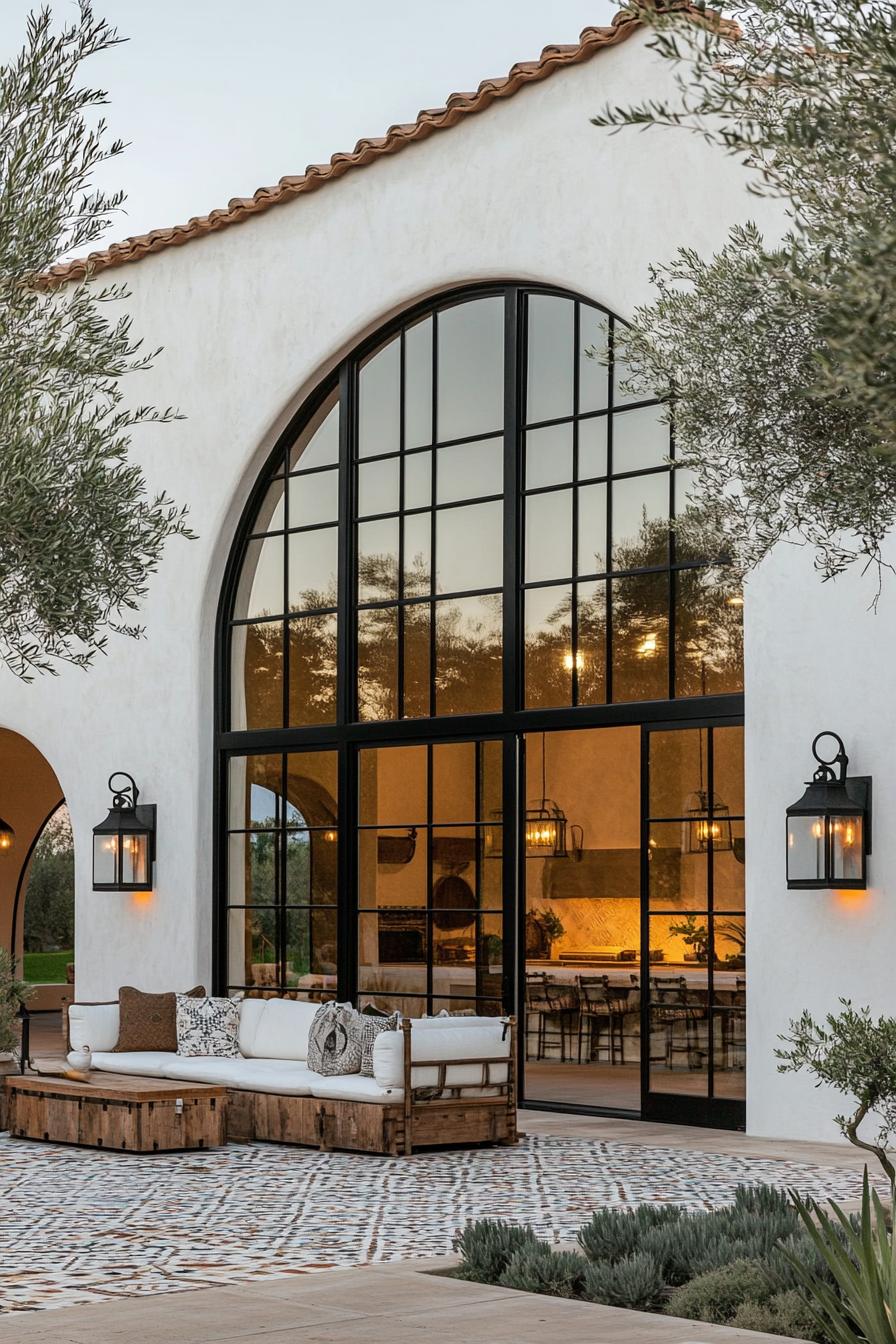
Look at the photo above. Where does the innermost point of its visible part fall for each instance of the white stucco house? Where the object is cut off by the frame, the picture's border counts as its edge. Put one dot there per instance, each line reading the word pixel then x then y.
pixel 435 712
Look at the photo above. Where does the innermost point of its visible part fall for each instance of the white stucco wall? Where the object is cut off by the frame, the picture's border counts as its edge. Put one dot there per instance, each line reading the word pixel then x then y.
pixel 251 319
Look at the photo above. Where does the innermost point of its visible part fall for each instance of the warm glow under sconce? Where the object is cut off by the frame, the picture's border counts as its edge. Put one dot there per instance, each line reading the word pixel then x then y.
pixel 7 836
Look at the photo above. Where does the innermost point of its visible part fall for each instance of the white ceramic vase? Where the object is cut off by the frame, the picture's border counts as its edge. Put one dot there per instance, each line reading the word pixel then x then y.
pixel 80 1059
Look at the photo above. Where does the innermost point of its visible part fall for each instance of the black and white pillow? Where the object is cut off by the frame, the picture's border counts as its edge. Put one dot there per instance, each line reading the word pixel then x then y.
pixel 334 1040
pixel 208 1026
pixel 370 1028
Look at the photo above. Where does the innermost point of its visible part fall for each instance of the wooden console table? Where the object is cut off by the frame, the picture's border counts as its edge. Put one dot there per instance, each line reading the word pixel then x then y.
pixel 113 1110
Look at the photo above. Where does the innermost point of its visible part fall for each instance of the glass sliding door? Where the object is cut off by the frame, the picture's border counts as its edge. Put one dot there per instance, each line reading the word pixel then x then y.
pixel 581 879
pixel 693 925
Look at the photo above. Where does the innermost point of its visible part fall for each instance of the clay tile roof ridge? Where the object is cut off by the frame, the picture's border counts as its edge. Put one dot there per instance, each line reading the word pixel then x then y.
pixel 456 107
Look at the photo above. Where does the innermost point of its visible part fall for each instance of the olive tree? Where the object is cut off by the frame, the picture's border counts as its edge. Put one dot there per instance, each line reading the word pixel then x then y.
pixel 80 534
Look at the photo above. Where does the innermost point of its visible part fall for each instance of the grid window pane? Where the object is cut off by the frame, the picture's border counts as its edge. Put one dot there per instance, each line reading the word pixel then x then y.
pixel 470 547
pixel 470 470
pixel 260 589
pixel 417 480
pixel 641 521
pixel 471 369
pixel 393 786
pixel 314 498
pixel 594 376
pixel 593 448
pixel 550 363
pixel 312 669
pixel 256 678
pixel 548 546
pixel 317 445
pixel 640 439
pixel 641 637
pixel 379 385
pixel 312 569
pixel 378 664
pixel 592 502
pixel 591 648
pixel 549 652
pixel 549 456
pixel 468 667
pixel 418 384
pixel 709 635
pixel 271 515
pixel 378 487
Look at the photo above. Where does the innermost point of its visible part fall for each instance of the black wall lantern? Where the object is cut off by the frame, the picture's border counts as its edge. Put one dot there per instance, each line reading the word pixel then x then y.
pixel 829 829
pixel 124 845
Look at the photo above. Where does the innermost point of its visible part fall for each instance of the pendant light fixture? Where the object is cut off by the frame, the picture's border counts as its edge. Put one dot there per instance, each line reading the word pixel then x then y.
pixel 545 824
pixel 708 818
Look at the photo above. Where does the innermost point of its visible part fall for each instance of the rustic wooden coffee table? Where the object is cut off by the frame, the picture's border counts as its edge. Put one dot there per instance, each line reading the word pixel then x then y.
pixel 114 1110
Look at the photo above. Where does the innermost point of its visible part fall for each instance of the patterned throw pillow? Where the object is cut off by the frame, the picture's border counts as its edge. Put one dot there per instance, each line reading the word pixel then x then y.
pixel 208 1026
pixel 370 1029
pixel 334 1040
pixel 149 1021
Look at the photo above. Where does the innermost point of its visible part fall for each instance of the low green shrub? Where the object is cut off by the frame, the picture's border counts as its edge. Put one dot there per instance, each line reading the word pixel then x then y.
pixel 782 1314
pixel 486 1248
pixel 635 1281
pixel 716 1295
pixel 612 1234
pixel 536 1268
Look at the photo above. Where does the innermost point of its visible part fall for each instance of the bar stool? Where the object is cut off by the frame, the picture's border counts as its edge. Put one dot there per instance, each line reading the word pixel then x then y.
pixel 544 1000
pixel 602 1007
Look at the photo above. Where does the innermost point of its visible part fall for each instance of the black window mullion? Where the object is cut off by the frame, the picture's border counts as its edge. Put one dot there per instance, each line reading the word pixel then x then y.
pixel 514 401
pixel 433 496
pixel 673 578
pixel 280 874
pixel 574 609
pixel 429 923
pixel 608 624
pixel 710 918
pixel 346 580
pixel 399 690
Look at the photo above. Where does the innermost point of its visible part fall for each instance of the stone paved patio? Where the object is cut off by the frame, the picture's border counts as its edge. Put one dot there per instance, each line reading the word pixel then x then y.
pixel 84 1226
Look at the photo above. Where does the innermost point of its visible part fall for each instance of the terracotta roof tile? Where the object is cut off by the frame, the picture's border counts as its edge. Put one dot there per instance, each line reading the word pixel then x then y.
pixel 457 106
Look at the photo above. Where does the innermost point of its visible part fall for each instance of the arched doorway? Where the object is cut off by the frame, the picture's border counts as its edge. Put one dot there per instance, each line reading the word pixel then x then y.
pixel 461 600
pixel 31 801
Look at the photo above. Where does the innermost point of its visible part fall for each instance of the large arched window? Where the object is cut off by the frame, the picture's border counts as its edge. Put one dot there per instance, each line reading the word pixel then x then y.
pixel 466 537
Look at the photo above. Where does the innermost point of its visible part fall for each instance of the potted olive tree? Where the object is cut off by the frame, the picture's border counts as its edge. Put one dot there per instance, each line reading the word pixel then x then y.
pixel 13 993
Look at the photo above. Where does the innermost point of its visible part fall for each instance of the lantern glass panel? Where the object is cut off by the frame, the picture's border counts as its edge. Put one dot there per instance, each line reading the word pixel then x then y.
pixel 134 860
pixel 105 852
pixel 847 848
pixel 805 849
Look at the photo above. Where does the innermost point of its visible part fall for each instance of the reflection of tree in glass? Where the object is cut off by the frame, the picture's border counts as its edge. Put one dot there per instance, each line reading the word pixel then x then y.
pixel 709 638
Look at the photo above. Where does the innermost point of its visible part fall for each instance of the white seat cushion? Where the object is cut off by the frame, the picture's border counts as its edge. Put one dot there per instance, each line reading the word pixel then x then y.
pixel 93 1024
pixel 353 1087
pixel 143 1063
pixel 481 1041
pixel 275 1028
pixel 282 1077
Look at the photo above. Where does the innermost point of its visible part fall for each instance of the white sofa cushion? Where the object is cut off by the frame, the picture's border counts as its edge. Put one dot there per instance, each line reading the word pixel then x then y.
pixel 93 1024
pixel 353 1087
pixel 275 1028
pixel 488 1041
pixel 285 1078
pixel 143 1063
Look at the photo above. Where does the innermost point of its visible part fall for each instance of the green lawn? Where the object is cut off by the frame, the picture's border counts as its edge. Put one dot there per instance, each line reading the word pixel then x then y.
pixel 46 968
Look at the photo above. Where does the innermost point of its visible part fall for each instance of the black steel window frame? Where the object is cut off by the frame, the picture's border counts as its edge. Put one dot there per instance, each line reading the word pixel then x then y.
pixel 347 733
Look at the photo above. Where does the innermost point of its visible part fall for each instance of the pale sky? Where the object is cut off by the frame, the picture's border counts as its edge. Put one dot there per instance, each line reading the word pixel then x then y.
pixel 219 97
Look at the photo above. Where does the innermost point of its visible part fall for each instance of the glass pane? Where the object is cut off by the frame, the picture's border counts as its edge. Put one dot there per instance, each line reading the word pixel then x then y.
pixel 252 948
pixel 592 448
pixel 314 499
pixel 679 771
pixel 378 664
pixel 379 401
pixel 805 849
pixel 549 655
pixel 417 554
pixel 641 638
pixel 318 443
pixel 846 845
pixel 696 536
pixel 676 875
pixel 640 439
pixel 312 569
pixel 393 786
pixel 679 1004
pixel 392 953
pixel 470 470
pixel 392 867
pixel 260 589
pixel 454 783
pixel 255 785
pixel 728 871
pixel 729 1025
pixel 378 487
pixel 312 670
pixel 491 781
pixel 471 369
pixel 310 949
pixel 730 947
pixel 468 655
pixel 252 868
pixel 709 635
pixel 550 363
pixel 591 653
pixel 594 375
pixel 728 767
pixel 378 560
pixel 417 670
pixel 592 529
pixel 418 480
pixel 548 456
pixel 641 522
pixel 312 788
pixel 256 683
pixel 549 536
pixel 470 547
pixel 311 859
pixel 621 375
pixel 270 517
pixel 418 384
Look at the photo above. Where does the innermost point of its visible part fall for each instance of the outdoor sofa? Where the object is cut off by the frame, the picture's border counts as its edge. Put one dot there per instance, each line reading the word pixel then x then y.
pixel 437 1081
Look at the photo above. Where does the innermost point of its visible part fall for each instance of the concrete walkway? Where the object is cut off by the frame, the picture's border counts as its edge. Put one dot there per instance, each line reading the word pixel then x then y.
pixel 377 1304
